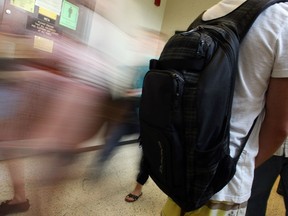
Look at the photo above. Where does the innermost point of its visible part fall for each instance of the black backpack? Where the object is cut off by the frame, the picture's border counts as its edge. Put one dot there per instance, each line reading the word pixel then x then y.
pixel 186 104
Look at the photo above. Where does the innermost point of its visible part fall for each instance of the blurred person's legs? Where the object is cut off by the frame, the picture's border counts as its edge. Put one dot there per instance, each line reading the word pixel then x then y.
pixel 118 125
pixel 74 116
pixel 114 132
pixel 13 101
pixel 264 179
pixel 141 179
pixel 16 170
pixel 19 202
pixel 43 107
pixel 71 116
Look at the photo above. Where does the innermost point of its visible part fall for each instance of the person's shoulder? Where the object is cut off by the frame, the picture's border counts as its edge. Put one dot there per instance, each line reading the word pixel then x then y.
pixel 275 17
pixel 224 7
pixel 221 9
pixel 279 9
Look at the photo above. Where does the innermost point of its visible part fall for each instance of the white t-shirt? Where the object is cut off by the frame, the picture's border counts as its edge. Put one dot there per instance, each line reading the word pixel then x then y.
pixel 263 54
pixel 283 150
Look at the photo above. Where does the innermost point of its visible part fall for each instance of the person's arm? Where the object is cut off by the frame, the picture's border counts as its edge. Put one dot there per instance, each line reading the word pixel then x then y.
pixel 274 129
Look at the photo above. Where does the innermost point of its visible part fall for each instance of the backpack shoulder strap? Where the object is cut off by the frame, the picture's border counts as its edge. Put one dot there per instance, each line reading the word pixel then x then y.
pixel 241 19
pixel 244 16
pixel 242 146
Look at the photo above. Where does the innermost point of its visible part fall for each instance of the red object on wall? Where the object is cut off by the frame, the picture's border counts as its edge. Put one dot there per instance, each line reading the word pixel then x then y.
pixel 157 2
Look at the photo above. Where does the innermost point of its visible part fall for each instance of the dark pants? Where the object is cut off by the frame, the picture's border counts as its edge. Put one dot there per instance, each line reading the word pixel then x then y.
pixel 265 177
pixel 142 176
pixel 117 129
pixel 112 140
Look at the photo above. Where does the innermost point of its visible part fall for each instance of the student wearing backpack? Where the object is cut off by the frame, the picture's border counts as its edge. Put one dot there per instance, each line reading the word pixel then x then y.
pixel 264 179
pixel 261 90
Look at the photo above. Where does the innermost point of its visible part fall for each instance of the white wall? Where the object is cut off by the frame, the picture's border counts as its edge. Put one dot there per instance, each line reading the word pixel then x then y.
pixel 117 23
pixel 128 14
pixel 119 29
pixel 179 14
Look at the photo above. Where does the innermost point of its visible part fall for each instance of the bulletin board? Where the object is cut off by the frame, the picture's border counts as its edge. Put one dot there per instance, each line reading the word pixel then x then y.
pixel 48 18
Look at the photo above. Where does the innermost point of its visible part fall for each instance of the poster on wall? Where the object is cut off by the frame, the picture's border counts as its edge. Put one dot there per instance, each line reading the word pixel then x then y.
pixel 51 5
pixel 43 44
pixel 42 27
pixel 47 15
pixel 69 15
pixel 27 5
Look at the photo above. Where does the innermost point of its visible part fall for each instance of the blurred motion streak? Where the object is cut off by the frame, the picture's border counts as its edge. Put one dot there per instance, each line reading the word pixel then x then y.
pixel 56 92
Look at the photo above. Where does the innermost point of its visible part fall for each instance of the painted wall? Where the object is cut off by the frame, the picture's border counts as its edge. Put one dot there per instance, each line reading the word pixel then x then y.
pixel 128 14
pixel 118 24
pixel 179 14
pixel 126 30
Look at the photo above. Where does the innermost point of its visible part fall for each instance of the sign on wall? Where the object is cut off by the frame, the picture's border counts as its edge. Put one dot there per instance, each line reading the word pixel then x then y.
pixel 43 44
pixel 42 27
pixel 51 5
pixel 47 15
pixel 27 5
pixel 69 15
pixel 47 18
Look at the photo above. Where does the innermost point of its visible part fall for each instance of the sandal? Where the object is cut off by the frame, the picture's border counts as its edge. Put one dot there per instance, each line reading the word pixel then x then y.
pixel 133 197
pixel 6 208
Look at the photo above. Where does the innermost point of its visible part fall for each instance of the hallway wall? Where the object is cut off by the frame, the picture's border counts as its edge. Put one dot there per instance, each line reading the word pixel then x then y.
pixel 178 16
pixel 118 22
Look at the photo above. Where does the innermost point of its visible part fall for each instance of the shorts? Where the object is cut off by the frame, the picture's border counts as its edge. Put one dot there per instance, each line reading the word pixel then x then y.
pixel 212 208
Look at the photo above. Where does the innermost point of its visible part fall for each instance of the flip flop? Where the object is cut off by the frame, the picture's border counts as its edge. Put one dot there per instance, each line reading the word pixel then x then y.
pixel 134 197
pixel 6 208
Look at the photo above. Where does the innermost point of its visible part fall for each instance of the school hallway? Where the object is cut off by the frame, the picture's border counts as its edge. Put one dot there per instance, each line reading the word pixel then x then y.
pixel 78 196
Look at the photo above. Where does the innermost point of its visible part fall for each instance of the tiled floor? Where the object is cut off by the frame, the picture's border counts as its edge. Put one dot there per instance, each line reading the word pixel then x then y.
pixel 275 203
pixel 76 196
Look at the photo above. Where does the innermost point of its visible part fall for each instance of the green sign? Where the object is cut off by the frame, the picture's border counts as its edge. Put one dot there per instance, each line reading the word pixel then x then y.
pixel 69 15
pixel 27 5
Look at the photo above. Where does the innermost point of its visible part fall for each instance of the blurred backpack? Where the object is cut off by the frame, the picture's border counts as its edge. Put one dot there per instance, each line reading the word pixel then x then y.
pixel 185 107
